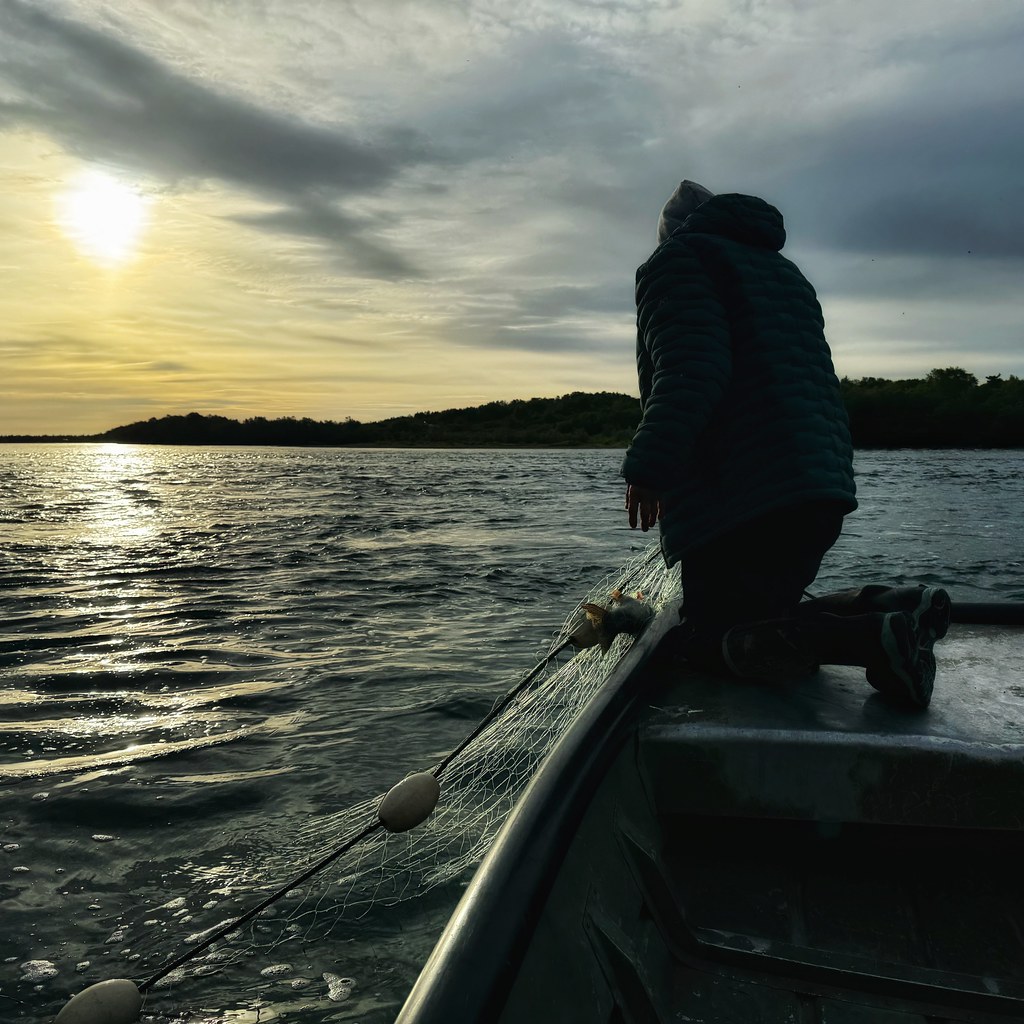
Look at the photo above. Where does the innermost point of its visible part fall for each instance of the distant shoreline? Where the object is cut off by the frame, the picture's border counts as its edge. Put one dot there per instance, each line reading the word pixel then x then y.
pixel 949 409
pixel 468 446
pixel 45 440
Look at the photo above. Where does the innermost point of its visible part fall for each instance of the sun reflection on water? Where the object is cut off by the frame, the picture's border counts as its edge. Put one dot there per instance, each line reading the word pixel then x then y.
pixel 119 522
pixel 122 504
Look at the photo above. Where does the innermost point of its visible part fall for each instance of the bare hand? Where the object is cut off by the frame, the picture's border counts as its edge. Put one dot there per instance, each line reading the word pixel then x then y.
pixel 643 505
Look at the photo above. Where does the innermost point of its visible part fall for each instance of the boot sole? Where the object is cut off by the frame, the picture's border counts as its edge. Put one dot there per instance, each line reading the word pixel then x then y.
pixel 931 616
pixel 908 676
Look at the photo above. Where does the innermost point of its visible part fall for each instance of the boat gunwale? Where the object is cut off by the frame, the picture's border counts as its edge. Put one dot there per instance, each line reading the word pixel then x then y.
pixel 488 934
pixel 490 929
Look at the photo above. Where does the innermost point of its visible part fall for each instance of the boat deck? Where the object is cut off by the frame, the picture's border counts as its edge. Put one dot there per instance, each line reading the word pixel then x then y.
pixel 783 921
pixel 829 748
pixel 703 851
pixel 789 885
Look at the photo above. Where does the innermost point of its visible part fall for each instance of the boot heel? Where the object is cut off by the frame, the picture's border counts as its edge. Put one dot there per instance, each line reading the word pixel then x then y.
pixel 903 672
pixel 933 620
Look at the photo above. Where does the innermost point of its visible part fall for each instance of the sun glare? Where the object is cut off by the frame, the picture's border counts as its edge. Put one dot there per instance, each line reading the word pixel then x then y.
pixel 102 216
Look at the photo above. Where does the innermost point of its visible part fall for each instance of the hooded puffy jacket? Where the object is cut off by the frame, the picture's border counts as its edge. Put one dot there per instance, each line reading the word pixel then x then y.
pixel 741 407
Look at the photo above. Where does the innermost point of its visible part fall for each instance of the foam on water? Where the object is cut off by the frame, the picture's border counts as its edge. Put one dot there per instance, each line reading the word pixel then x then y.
pixel 35 971
pixel 276 970
pixel 338 989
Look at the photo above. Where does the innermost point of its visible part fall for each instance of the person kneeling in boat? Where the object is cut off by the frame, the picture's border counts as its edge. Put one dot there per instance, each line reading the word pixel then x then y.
pixel 743 456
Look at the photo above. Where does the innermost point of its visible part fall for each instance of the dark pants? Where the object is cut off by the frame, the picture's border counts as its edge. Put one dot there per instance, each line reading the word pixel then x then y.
pixel 759 571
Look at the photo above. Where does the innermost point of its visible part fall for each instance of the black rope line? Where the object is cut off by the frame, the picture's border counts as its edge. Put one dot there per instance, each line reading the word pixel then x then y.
pixel 520 687
pixel 227 929
pixel 365 833
pixel 368 830
pixel 501 705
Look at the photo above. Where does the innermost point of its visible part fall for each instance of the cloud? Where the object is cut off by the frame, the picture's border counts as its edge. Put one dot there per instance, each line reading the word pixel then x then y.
pixel 928 168
pixel 427 198
pixel 564 300
pixel 167 366
pixel 110 102
pixel 321 220
pixel 945 187
pixel 936 225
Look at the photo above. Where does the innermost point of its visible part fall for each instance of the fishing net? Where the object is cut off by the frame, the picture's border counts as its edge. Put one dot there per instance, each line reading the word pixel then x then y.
pixel 479 787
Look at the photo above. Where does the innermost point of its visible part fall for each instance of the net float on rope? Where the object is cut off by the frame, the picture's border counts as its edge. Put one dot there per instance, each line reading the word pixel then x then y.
pixel 114 1001
pixel 408 803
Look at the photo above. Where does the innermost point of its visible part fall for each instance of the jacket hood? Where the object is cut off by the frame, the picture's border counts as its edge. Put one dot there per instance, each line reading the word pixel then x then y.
pixel 742 218
pixel 686 198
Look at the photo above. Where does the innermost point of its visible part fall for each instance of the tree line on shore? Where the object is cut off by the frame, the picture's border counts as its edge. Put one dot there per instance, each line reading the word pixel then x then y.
pixel 949 408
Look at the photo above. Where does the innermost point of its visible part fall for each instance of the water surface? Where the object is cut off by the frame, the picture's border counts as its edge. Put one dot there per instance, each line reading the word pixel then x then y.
pixel 202 649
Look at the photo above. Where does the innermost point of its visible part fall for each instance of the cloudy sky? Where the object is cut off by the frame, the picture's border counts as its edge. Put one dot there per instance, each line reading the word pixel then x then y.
pixel 372 207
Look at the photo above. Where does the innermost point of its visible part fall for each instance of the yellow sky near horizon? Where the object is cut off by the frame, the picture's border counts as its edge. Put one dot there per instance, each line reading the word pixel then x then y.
pixel 197 313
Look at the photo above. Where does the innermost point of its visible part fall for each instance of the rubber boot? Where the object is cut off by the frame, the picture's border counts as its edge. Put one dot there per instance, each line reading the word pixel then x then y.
pixel 884 644
pixel 691 646
pixel 771 651
pixel 928 607
pixel 857 601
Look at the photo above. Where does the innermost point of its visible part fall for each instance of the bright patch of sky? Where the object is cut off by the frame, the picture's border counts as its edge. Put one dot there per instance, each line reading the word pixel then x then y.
pixel 363 209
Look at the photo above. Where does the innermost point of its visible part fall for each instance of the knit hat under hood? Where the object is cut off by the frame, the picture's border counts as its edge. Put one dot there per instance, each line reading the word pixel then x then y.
pixel 686 198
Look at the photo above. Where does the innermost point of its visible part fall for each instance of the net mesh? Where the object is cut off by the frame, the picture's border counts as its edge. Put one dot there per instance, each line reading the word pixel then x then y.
pixel 479 788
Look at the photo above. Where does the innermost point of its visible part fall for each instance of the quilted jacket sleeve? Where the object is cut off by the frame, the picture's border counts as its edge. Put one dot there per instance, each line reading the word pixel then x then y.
pixel 684 363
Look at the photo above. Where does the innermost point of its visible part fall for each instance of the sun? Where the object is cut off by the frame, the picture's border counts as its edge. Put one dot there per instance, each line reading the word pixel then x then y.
pixel 102 216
